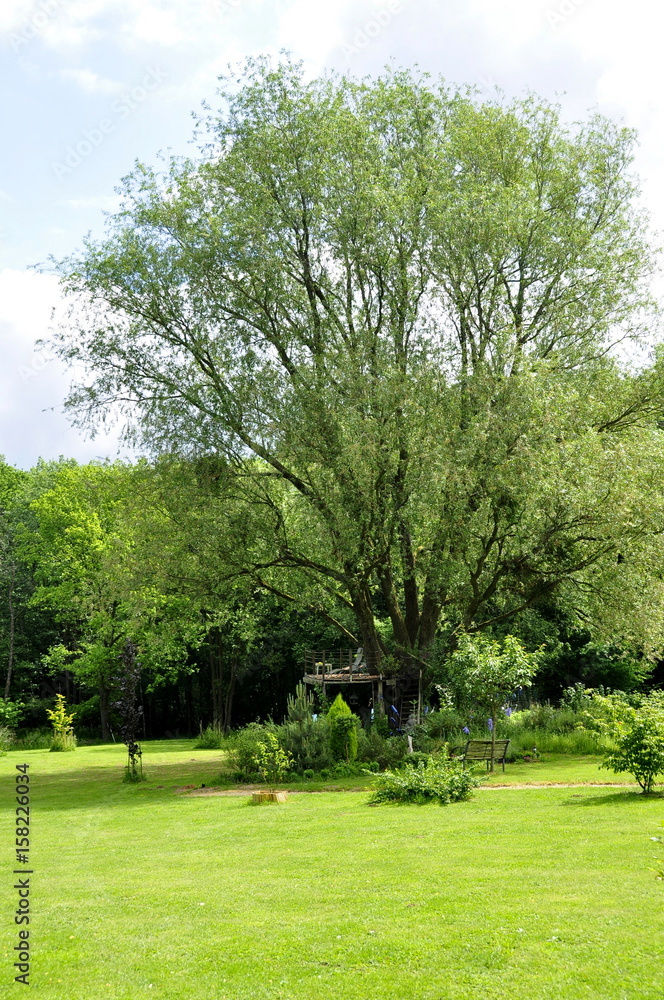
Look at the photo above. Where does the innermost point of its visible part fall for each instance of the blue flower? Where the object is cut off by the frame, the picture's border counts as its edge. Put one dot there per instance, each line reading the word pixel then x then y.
pixel 466 730
pixel 489 723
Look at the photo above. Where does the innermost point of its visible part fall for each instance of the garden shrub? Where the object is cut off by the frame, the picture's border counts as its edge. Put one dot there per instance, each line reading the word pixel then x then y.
pixel 639 750
pixel 440 725
pixel 7 738
pixel 308 774
pixel 210 738
pixel 438 780
pixel 245 744
pixel 343 730
pixel 386 751
pixel 61 720
pixel 307 742
pixel 10 713
pixel 271 760
pixel 34 739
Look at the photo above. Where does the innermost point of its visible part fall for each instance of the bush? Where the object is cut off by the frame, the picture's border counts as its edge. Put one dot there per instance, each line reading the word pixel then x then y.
pixel 10 713
pixel 438 780
pixel 386 751
pixel 440 724
pixel 343 730
pixel 61 720
pixel 7 738
pixel 271 760
pixel 34 739
pixel 209 739
pixel 307 742
pixel 308 774
pixel 639 751
pixel 245 746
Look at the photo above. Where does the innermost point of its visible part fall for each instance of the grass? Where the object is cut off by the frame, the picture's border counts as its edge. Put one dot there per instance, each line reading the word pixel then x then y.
pixel 142 893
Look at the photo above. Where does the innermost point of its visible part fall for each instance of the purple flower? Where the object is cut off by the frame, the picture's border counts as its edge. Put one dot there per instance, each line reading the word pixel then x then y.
pixel 489 723
pixel 466 730
pixel 508 711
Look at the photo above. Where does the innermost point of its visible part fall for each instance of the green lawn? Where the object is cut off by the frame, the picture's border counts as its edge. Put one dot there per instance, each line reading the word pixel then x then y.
pixel 139 892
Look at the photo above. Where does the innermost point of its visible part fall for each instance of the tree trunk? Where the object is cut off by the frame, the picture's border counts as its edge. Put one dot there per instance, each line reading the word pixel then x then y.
pixel 10 662
pixel 229 695
pixel 105 712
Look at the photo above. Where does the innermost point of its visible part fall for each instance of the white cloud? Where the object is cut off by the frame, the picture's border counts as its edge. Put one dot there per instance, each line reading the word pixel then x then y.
pixel 91 82
pixel 154 25
pixel 14 13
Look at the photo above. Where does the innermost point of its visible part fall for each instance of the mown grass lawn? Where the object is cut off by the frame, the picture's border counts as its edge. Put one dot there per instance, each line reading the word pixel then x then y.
pixel 140 892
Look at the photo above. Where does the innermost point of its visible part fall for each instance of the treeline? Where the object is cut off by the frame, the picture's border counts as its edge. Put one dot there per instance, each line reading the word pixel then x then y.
pixel 93 556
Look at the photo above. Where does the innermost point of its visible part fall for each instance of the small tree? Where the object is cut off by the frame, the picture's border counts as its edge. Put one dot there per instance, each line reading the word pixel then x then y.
pixel 639 745
pixel 488 671
pixel 130 713
pixel 61 720
pixel 343 730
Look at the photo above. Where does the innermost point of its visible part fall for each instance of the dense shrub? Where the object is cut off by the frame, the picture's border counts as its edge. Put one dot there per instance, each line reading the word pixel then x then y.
pixel 245 746
pixel 307 742
pixel 343 730
pixel 438 780
pixel 210 739
pixel 7 738
pixel 440 724
pixel 10 713
pixel 386 751
pixel 34 739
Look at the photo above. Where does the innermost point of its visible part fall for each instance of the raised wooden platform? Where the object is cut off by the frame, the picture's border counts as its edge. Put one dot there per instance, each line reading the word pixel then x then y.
pixel 346 677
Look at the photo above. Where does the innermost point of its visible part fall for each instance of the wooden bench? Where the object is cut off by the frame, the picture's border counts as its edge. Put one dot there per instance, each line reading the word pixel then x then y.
pixel 481 750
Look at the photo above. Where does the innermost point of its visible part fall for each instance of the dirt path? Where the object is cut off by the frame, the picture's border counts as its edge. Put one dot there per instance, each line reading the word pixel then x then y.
pixel 245 792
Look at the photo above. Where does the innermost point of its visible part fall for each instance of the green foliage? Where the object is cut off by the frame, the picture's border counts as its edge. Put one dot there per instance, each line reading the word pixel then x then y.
pixel 447 425
pixel 305 739
pixel 386 751
pixel 7 738
pixel 61 720
pixel 639 747
pixel 10 713
pixel 245 747
pixel 210 738
pixel 271 760
pixel 487 671
pixel 307 743
pixel 437 779
pixel 343 730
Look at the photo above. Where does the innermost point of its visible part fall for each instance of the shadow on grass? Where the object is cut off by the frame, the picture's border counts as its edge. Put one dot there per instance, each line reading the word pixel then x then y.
pixel 615 798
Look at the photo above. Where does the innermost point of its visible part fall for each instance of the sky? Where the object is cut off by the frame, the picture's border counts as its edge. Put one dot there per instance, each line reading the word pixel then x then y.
pixel 90 86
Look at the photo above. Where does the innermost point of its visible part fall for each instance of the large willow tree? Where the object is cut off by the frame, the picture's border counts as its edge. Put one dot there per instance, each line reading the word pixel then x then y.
pixel 391 312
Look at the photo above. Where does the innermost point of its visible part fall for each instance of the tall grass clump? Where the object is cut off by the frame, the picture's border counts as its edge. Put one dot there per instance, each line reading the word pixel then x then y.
pixel 61 720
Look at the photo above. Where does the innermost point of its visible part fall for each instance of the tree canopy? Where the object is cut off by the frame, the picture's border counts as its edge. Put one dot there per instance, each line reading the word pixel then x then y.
pixel 390 311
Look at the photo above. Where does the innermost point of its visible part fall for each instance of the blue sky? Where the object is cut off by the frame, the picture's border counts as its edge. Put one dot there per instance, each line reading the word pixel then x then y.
pixel 89 86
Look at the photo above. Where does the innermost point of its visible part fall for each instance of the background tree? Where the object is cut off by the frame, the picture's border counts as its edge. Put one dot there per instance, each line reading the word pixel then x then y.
pixel 388 310
pixel 488 672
